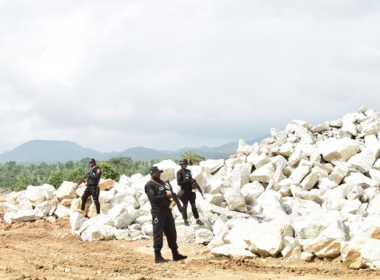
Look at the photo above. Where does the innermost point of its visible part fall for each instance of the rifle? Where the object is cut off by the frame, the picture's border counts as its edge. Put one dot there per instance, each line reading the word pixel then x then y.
pixel 195 186
pixel 175 197
pixel 84 177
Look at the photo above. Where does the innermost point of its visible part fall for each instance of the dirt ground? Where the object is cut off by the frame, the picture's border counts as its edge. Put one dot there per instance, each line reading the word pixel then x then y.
pixel 40 250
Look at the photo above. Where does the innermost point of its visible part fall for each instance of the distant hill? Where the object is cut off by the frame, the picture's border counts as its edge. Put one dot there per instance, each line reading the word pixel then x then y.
pixel 47 151
pixel 50 151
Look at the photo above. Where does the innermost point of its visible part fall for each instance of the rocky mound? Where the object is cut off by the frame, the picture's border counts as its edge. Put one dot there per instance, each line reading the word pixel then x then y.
pixel 304 192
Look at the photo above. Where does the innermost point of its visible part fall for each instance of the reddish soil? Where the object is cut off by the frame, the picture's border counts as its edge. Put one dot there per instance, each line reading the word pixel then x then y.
pixel 41 250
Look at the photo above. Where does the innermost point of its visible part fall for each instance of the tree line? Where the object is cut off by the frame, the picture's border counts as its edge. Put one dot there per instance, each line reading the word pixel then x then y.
pixel 16 176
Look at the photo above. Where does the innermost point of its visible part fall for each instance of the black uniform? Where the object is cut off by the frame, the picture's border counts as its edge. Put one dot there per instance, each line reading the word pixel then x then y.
pixel 92 188
pixel 162 217
pixel 184 180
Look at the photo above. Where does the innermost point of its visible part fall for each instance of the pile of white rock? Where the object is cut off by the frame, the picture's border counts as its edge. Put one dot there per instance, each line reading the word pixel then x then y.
pixel 304 192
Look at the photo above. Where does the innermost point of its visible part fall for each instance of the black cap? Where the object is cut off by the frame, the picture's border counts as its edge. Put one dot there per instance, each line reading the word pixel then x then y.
pixel 92 161
pixel 183 161
pixel 155 169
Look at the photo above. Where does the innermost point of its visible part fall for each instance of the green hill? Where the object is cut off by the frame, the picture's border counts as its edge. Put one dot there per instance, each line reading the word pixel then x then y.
pixel 50 151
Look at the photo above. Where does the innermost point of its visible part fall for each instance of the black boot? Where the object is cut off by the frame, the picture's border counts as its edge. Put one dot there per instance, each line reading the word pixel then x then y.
pixel 159 259
pixel 177 256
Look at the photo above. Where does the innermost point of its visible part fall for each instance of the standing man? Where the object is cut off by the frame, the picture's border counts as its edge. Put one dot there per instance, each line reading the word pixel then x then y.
pixel 187 193
pixel 92 189
pixel 162 217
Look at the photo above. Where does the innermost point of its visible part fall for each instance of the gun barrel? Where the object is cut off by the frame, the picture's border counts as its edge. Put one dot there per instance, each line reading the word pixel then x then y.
pixel 175 197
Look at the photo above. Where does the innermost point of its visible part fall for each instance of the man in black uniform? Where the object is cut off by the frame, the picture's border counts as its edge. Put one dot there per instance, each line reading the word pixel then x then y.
pixel 187 193
pixel 92 186
pixel 162 217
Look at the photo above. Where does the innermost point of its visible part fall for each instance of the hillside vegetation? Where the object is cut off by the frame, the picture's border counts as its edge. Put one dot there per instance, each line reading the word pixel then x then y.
pixel 15 176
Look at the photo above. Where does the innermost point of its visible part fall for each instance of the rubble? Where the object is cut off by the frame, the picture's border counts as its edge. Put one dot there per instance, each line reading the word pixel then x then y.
pixel 305 192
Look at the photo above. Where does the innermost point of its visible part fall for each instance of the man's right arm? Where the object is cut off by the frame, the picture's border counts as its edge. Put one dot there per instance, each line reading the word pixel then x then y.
pixel 180 178
pixel 149 190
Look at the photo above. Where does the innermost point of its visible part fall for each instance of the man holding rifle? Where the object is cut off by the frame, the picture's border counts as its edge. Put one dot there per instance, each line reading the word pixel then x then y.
pixel 92 189
pixel 187 193
pixel 162 217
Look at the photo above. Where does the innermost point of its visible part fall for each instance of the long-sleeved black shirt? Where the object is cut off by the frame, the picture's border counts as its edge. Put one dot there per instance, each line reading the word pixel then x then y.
pixel 184 180
pixel 156 193
pixel 94 176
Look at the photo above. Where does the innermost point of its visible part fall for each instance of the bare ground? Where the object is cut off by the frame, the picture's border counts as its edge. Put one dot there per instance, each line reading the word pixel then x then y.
pixel 41 250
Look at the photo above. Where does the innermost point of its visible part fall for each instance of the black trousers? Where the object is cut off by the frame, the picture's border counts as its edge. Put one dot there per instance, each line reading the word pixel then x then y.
pixel 163 223
pixel 187 197
pixel 94 192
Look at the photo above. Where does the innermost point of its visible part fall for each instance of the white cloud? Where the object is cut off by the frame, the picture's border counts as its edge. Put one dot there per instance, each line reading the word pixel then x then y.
pixel 170 74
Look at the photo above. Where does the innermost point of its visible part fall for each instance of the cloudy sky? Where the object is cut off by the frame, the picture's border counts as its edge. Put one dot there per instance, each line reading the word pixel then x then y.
pixel 112 75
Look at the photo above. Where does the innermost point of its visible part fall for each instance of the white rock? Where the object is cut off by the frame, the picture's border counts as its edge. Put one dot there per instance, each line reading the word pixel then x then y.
pixel 240 175
pixel 321 127
pixel 258 160
pixel 92 234
pixel 357 178
pixel 229 250
pixel 335 150
pixel 272 206
pixel 307 257
pixel 185 234
pixel 263 174
pixel 35 195
pixel 371 128
pixel 252 191
pixel 126 197
pixel 235 200
pixel 25 204
pixel 285 149
pixel 122 234
pixel 168 166
pixel 363 161
pixel 340 171
pixel 21 216
pixel 239 232
pixel 244 148
pixel 327 244
pixel 312 223
pixel 372 144
pixel 325 184
pixel 374 205
pixel 266 239
pixel 45 208
pixel 76 221
pixel 375 176
pixel 212 165
pixel 203 236
pixel 66 191
pixel 354 192
pixel 349 127
pixel 62 211
pixel 106 184
pixel 351 255
pixel 311 179
pixel 370 253
pixel 291 248
pixel 300 172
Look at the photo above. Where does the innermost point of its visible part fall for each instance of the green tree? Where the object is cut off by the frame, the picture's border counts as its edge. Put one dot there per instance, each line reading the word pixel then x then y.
pixel 192 156
pixel 108 172
pixel 120 164
pixel 22 182
pixel 56 179
pixel 75 175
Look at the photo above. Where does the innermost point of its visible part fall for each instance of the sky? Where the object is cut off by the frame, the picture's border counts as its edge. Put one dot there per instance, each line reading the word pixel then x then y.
pixel 113 75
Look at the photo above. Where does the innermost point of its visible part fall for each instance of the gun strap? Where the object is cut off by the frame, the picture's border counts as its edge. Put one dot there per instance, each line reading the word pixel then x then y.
pixel 160 185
